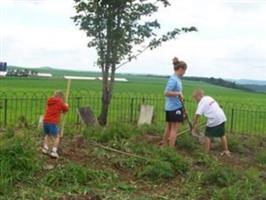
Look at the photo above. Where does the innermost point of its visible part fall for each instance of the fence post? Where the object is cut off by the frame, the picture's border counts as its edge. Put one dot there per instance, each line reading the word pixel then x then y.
pixel 5 112
pixel 78 105
pixel 131 109
pixel 232 120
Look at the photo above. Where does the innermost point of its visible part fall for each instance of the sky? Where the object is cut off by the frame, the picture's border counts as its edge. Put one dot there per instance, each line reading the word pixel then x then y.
pixel 230 43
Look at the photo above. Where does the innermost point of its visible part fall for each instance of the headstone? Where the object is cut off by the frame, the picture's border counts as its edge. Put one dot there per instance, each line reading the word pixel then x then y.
pixel 87 116
pixel 146 114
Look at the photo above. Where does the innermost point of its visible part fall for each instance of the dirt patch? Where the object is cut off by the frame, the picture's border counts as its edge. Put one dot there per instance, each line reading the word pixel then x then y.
pixel 81 197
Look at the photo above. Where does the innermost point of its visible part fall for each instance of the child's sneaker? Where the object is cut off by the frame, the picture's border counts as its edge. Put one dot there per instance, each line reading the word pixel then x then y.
pixel 45 150
pixel 54 154
pixel 227 153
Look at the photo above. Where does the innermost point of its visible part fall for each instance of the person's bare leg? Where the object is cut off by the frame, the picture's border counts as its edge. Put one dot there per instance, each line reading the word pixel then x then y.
pixel 45 148
pixel 46 142
pixel 173 134
pixel 225 146
pixel 56 141
pixel 166 135
pixel 207 144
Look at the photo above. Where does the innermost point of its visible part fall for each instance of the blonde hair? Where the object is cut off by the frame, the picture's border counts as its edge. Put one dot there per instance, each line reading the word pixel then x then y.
pixel 179 64
pixel 198 92
pixel 59 93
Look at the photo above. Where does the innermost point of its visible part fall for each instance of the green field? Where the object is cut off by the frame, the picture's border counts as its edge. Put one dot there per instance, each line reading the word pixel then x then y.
pixel 136 85
pixel 246 111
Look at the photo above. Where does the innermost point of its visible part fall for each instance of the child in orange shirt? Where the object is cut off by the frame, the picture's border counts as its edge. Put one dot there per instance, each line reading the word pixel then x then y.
pixel 54 107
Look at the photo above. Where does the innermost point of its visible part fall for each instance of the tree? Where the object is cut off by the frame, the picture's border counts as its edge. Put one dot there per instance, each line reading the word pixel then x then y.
pixel 116 28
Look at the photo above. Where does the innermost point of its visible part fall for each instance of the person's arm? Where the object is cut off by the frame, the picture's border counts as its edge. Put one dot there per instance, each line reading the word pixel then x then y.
pixel 173 94
pixel 64 107
pixel 195 123
pixel 169 90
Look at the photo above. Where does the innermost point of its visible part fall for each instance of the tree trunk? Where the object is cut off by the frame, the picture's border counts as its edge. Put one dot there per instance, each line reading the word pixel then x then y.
pixel 106 99
pixel 107 91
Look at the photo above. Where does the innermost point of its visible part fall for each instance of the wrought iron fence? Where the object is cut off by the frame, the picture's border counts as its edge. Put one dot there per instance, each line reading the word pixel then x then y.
pixel 124 108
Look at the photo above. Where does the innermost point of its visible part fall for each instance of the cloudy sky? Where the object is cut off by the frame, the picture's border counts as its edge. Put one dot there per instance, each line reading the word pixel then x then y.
pixel 231 42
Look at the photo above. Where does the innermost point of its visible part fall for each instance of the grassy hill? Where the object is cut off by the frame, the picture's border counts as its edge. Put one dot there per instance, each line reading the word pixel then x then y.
pixel 125 162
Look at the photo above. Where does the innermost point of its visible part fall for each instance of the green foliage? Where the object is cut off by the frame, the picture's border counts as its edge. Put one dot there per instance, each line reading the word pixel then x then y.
pixel 261 157
pixel 187 142
pixel 220 175
pixel 157 170
pixel 114 34
pixel 248 187
pixel 75 175
pixel 18 161
pixel 179 164
pixel 113 132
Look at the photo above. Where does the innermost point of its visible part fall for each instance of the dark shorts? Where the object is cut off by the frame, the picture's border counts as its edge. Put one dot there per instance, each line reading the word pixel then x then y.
pixel 50 129
pixel 216 131
pixel 175 116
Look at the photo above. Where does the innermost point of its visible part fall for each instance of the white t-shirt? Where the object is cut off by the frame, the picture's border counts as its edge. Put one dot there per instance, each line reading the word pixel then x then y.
pixel 211 109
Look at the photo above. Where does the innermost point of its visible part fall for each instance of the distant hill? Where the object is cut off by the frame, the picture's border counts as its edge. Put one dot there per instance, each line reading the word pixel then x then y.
pixel 250 82
pixel 256 88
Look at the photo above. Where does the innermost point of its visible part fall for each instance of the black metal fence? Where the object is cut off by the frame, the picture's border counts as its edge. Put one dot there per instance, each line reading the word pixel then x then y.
pixel 124 108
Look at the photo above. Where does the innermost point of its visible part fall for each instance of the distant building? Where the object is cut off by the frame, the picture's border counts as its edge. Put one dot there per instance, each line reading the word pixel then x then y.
pixel 116 79
pixel 3 74
pixel 80 78
pixel 44 75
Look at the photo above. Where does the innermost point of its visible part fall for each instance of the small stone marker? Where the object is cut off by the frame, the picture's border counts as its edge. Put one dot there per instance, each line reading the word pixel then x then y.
pixel 87 116
pixel 146 114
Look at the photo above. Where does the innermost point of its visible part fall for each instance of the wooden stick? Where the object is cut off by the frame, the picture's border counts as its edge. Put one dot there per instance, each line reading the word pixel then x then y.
pixel 66 101
pixel 120 152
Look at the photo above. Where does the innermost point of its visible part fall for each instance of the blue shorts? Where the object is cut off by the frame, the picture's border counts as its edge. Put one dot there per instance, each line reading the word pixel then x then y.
pixel 50 129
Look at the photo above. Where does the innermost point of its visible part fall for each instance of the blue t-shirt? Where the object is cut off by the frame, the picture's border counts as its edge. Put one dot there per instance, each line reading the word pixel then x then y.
pixel 174 84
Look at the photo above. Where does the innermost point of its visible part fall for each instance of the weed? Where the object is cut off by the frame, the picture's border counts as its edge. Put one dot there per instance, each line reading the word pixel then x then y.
pixel 220 176
pixel 261 157
pixel 18 160
pixel 187 142
pixel 75 175
pixel 180 165
pixel 157 170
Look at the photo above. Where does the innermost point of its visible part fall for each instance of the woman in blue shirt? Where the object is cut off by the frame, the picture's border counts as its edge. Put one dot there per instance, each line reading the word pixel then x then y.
pixel 173 103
